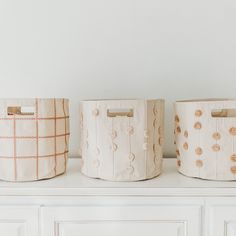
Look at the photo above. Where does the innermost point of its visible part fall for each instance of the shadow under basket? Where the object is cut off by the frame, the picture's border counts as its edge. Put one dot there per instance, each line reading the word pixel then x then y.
pixel 122 139
pixel 33 139
pixel 205 137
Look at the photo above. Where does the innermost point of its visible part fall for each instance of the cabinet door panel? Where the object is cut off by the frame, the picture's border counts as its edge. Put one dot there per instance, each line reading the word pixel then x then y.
pixel 117 221
pixel 18 221
pixel 116 228
pixel 222 220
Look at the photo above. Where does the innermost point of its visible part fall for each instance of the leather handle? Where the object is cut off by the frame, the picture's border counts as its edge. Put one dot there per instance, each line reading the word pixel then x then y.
pixel 120 112
pixel 221 113
pixel 22 111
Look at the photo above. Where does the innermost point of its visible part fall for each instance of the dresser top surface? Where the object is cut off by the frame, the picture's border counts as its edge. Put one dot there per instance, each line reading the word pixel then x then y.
pixel 169 183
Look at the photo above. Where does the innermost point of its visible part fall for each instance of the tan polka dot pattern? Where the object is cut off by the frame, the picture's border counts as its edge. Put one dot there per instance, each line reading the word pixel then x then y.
pixel 216 136
pixel 232 131
pixel 185 146
pixel 233 169
pixel 177 152
pixel 197 125
pixel 233 158
pixel 199 163
pixel 178 163
pixel 216 147
pixel 178 130
pixel 186 134
pixel 176 119
pixel 205 139
pixel 198 151
pixel 198 113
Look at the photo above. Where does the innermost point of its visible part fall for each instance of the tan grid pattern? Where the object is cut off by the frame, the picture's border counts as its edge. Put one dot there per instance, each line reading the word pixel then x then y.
pixel 14 137
pixel 37 137
pixel 32 155
pixel 65 131
pixel 55 134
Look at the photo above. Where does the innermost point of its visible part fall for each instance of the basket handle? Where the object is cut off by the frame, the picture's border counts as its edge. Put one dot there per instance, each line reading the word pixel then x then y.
pixel 223 113
pixel 120 112
pixel 21 111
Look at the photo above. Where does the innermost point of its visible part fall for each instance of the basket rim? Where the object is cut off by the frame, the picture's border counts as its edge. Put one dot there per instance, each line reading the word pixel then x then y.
pixel 207 100
pixel 32 98
pixel 125 99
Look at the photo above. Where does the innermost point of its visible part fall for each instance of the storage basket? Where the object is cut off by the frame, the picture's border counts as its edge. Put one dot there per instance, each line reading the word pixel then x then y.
pixel 205 133
pixel 122 139
pixel 33 138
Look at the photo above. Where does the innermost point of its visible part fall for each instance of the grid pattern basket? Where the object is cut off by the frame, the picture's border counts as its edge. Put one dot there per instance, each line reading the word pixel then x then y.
pixel 205 132
pixel 34 135
pixel 121 140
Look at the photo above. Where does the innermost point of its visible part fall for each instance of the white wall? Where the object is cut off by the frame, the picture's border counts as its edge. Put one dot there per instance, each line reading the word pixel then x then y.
pixel 84 49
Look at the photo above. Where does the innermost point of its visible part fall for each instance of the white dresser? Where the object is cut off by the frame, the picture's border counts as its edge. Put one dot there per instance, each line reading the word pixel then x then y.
pixel 74 205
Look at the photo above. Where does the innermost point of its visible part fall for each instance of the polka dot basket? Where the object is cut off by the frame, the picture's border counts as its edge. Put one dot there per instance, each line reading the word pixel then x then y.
pixel 205 138
pixel 122 139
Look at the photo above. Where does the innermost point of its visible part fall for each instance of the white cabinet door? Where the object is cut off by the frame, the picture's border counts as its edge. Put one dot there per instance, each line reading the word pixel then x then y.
pixel 122 221
pixel 18 221
pixel 222 220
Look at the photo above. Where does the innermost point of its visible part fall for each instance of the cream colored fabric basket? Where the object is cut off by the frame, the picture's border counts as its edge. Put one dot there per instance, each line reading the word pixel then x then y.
pixel 206 138
pixel 122 139
pixel 33 138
